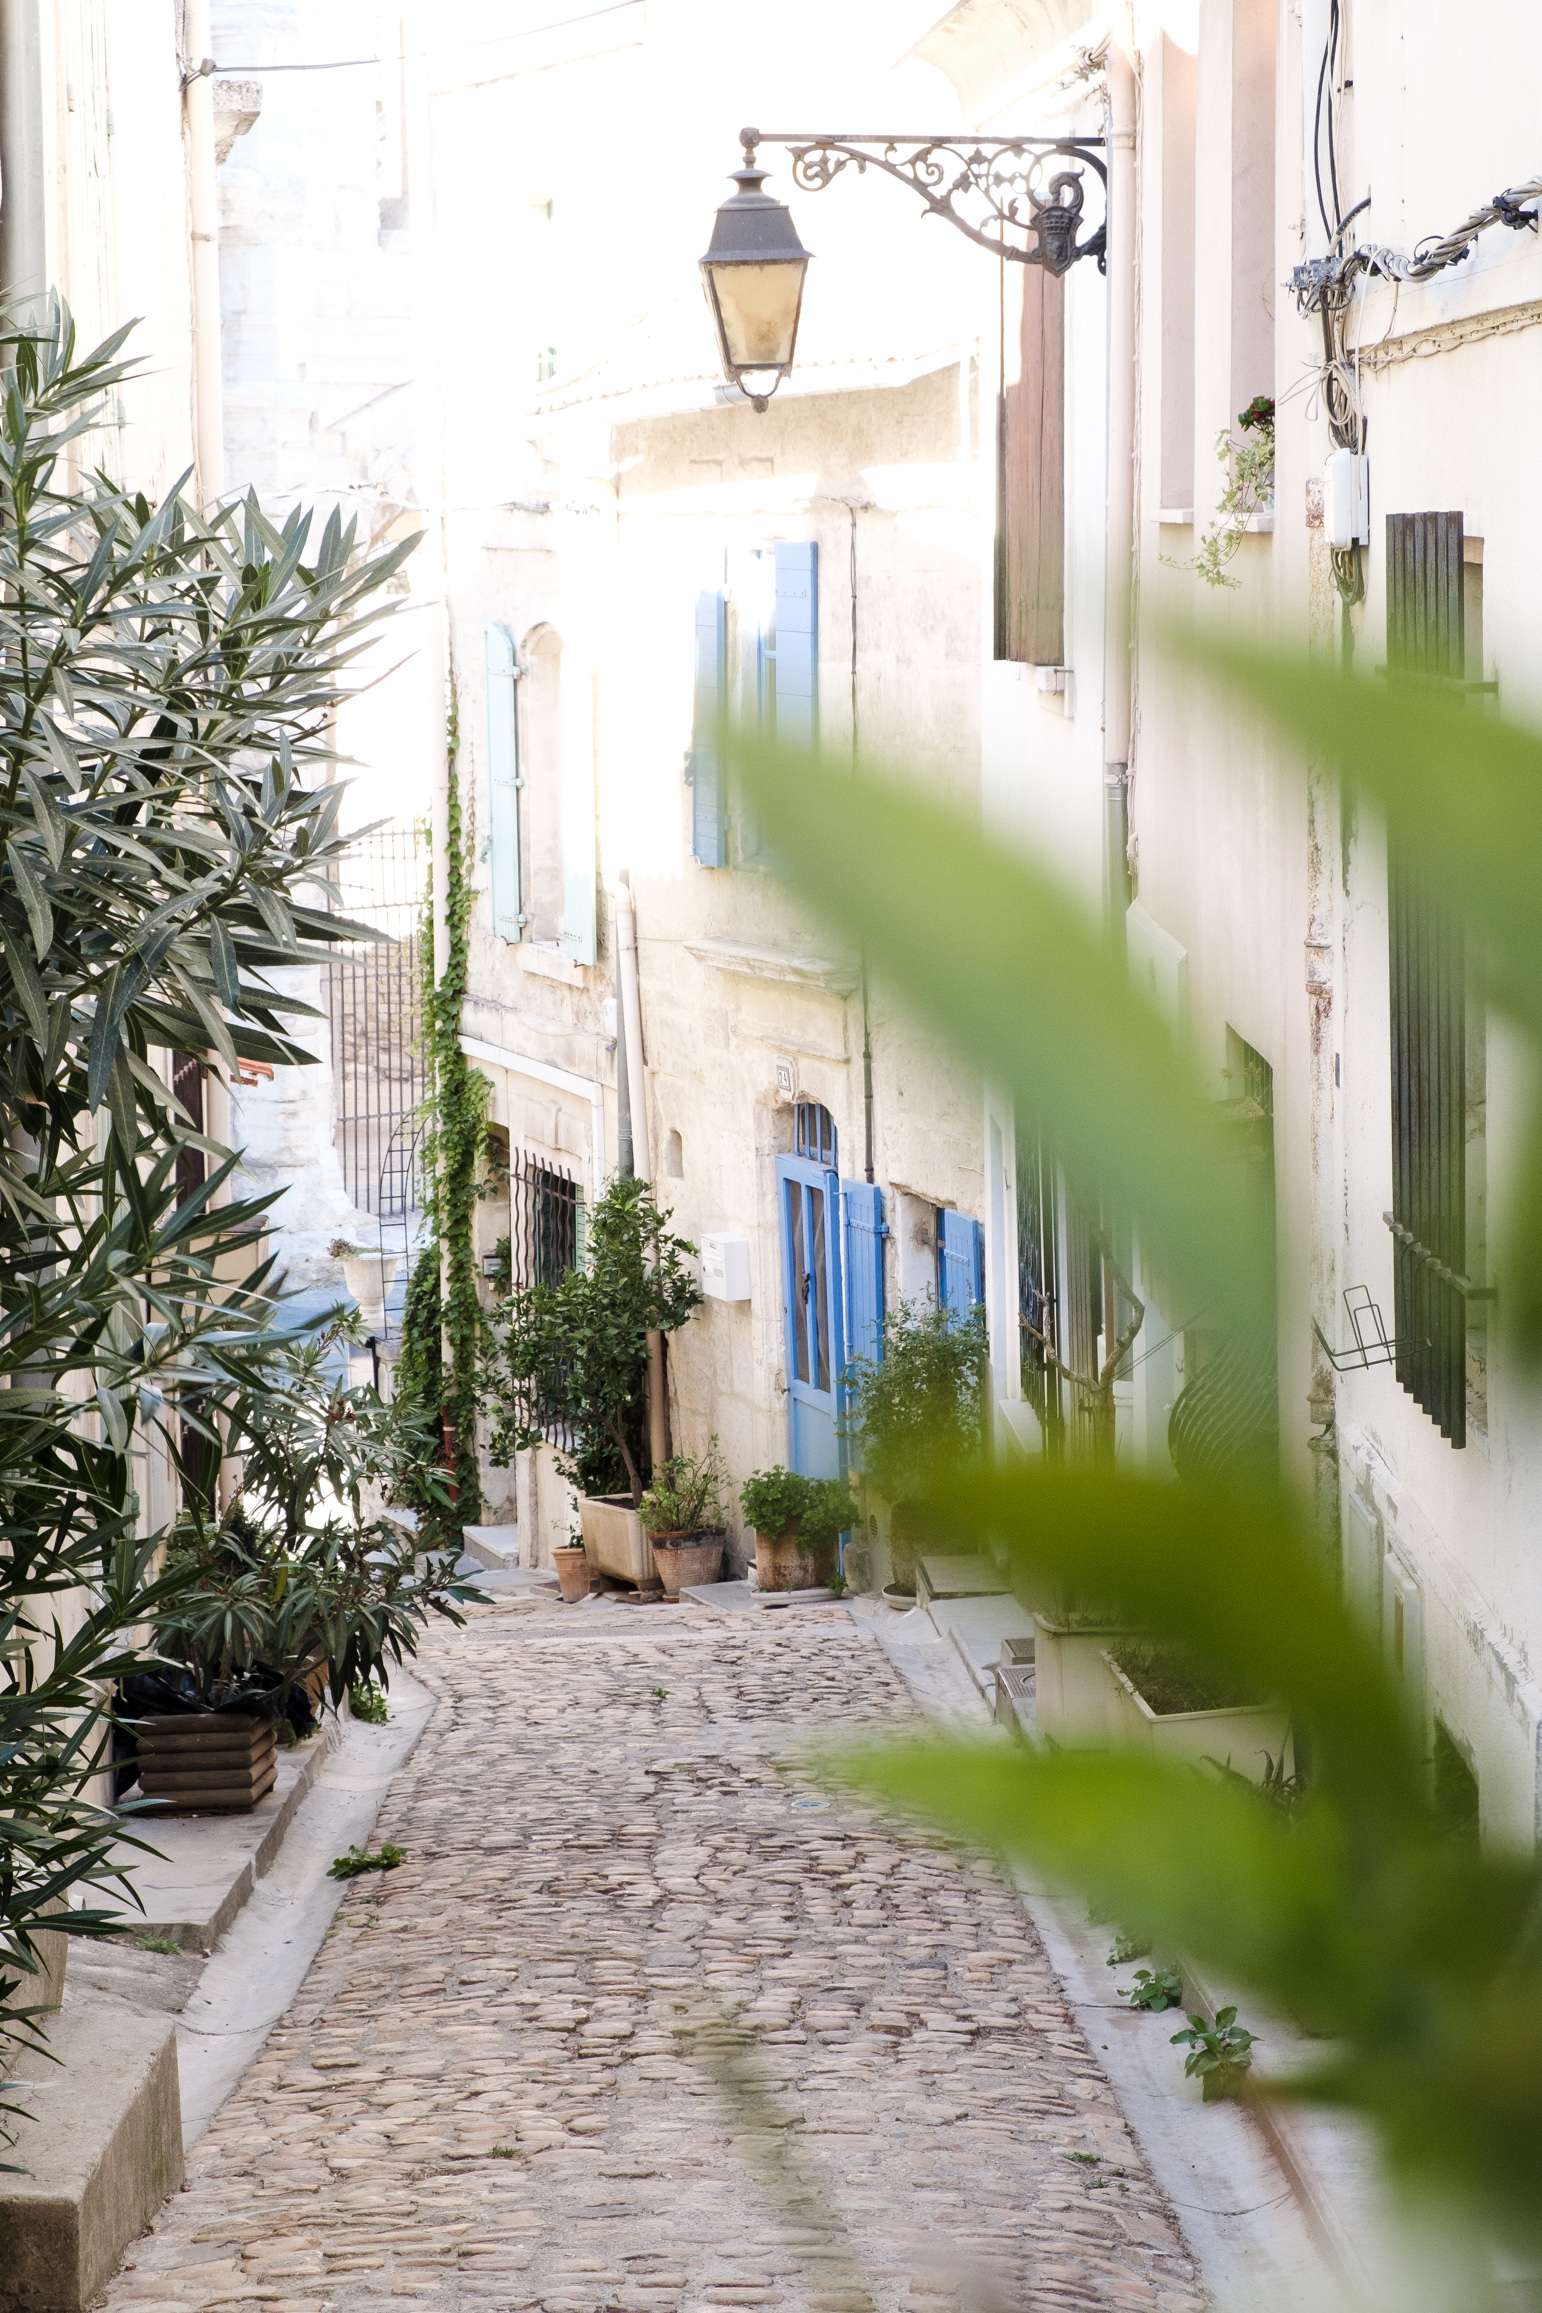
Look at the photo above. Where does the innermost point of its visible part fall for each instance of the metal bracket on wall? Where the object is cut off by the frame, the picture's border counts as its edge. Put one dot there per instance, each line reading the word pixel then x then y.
pixel 1366 1323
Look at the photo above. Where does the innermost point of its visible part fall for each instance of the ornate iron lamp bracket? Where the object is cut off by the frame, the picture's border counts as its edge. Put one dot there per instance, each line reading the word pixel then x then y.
pixel 1006 193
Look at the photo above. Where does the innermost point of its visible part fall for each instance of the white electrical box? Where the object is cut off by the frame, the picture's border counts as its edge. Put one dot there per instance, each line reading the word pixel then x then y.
pixel 725 1266
pixel 1346 499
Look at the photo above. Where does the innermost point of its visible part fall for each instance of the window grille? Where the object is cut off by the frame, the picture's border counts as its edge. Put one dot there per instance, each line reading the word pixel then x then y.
pixel 374 1000
pixel 546 1240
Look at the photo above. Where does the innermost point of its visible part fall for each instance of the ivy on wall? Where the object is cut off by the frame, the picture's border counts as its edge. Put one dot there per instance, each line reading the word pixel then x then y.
pixel 443 1324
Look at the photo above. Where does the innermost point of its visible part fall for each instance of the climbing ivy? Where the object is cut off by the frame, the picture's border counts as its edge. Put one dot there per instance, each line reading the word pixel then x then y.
pixel 444 1296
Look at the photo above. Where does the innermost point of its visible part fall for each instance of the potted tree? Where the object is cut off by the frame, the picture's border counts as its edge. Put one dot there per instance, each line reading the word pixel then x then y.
pixel 572 1356
pixel 917 1411
pixel 684 1519
pixel 797 1522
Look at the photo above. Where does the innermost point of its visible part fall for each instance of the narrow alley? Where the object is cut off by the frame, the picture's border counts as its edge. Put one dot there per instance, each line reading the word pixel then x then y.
pixel 487 2095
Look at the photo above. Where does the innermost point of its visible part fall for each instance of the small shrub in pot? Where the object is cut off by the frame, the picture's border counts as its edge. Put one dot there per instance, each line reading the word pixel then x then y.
pixel 798 1522
pixel 918 1412
pixel 683 1515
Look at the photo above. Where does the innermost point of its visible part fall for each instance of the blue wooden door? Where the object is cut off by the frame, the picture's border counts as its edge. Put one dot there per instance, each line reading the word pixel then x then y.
pixel 809 1197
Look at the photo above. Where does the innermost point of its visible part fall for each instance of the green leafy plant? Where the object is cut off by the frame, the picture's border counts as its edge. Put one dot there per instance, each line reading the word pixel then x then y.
pixel 919 1406
pixel 1155 1988
pixel 163 1945
pixel 1219 2055
pixel 685 1496
pixel 343 1249
pixel 168 827
pixel 576 1351
pixel 1417 1956
pixel 1126 1948
pixel 1248 491
pixel 360 1860
pixel 366 1701
pixel 778 1501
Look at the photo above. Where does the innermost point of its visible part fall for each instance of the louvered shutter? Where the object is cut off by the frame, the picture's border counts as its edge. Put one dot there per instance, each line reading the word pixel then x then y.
pixel 960 1264
pixel 1428 1005
pixel 503 783
pixel 1030 475
pixel 795 691
pixel 862 1215
pixel 709 818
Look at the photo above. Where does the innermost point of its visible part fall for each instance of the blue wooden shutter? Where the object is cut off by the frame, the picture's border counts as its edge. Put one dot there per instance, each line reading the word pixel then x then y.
pixel 709 818
pixel 795 694
pixel 862 1212
pixel 960 1264
pixel 503 783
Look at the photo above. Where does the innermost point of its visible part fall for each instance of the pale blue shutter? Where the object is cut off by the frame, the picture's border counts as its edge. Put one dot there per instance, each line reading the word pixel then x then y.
pixel 796 689
pixel 960 1264
pixel 503 783
pixel 862 1214
pixel 709 818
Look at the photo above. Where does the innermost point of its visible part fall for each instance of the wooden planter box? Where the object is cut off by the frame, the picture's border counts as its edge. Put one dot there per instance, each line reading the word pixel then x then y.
pixel 1240 1736
pixel 614 1539
pixel 206 1762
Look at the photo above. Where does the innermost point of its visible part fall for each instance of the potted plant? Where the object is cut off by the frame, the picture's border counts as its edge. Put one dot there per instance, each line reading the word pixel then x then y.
pixel 797 1522
pixel 575 1576
pixel 1166 1703
pixel 918 1410
pixel 684 1519
pixel 285 1598
pixel 571 1357
pixel 367 1276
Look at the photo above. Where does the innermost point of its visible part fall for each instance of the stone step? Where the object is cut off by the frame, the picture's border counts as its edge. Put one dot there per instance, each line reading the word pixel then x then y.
pixel 739 1598
pixel 494 1548
pixel 955 1574
pixel 980 1629
pixel 102 2143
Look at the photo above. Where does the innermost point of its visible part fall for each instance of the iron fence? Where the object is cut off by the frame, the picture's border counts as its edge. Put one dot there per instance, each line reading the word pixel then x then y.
pixel 375 1002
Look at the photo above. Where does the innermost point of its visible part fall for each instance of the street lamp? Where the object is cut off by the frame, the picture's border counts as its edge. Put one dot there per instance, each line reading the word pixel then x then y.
pixel 1003 192
pixel 753 271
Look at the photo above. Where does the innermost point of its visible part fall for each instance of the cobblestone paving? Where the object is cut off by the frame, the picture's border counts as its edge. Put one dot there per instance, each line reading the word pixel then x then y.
pixel 482 2102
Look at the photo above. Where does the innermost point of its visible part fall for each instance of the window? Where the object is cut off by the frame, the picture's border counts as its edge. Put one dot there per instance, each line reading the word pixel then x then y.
pixel 960 1265
pixel 1427 997
pixel 1030 468
pixel 545 1221
pixel 757 654
pixel 813 1134
pixel 1253 261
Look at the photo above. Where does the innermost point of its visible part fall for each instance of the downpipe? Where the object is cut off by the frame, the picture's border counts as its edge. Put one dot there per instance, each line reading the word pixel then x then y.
pixel 642 1148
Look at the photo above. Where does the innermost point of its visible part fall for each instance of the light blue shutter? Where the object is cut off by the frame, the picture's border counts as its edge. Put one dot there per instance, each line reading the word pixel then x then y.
pixel 862 1211
pixel 709 820
pixel 796 690
pixel 960 1264
pixel 503 783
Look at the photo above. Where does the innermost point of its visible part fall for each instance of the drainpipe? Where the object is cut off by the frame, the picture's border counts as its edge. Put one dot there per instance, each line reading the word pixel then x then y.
pixel 642 1152
pixel 1118 637
pixel 23 214
pixel 204 238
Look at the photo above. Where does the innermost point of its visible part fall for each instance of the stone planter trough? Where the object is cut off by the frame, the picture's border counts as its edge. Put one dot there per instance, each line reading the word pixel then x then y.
pixel 1073 1701
pixel 1239 1736
pixel 614 1539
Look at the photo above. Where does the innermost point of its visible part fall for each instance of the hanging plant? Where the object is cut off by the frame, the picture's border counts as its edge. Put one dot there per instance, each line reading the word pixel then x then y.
pixel 1248 491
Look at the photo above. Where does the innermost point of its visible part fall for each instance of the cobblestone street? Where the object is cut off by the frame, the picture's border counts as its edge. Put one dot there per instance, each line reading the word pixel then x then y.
pixel 483 2100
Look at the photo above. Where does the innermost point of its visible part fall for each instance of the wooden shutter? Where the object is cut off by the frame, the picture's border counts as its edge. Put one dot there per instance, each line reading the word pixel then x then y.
pixel 1428 1010
pixel 864 1231
pixel 1030 474
pixel 503 783
pixel 960 1264
pixel 709 818
pixel 795 686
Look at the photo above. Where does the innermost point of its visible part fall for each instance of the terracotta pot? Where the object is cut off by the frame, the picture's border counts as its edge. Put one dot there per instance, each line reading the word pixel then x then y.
pixel 783 1563
pixel 206 1762
pixel 683 1559
pixel 573 1574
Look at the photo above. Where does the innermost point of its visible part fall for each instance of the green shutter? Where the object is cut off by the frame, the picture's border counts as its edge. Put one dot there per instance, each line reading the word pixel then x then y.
pixel 503 783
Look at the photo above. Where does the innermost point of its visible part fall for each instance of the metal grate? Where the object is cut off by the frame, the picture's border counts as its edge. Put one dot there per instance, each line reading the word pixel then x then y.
pixel 813 1133
pixel 375 1002
pixel 546 1240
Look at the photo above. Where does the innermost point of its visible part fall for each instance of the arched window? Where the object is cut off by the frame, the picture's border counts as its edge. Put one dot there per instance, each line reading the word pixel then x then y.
pixel 813 1133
